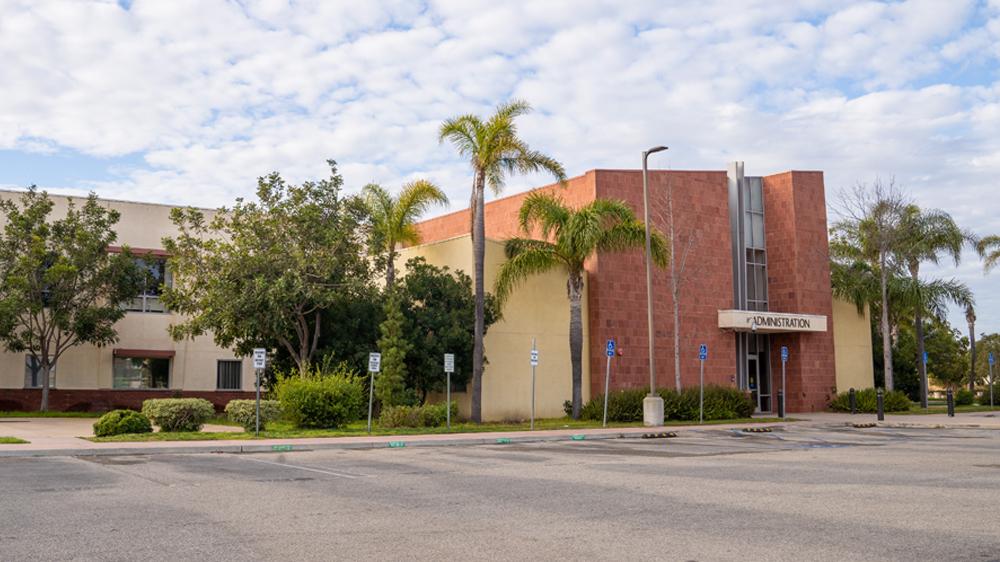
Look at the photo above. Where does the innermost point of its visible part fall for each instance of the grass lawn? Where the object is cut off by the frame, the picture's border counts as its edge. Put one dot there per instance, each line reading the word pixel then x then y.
pixel 12 441
pixel 916 410
pixel 50 414
pixel 284 430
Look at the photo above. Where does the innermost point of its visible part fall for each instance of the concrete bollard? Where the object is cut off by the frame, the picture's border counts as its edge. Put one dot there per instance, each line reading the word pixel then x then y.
pixel 881 405
pixel 853 398
pixel 781 404
pixel 951 404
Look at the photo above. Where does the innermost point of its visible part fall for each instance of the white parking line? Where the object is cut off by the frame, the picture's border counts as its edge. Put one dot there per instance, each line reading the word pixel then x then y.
pixel 306 468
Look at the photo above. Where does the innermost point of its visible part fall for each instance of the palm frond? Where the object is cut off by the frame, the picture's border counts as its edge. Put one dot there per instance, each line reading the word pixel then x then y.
pixel 525 257
pixel 545 210
pixel 988 249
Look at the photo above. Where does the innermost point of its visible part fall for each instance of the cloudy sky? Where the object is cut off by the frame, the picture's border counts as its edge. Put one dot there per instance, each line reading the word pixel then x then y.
pixel 189 101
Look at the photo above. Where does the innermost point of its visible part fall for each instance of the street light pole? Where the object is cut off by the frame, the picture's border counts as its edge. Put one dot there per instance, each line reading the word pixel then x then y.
pixel 652 405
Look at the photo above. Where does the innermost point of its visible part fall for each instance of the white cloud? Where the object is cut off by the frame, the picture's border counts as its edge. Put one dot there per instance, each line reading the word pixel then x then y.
pixel 213 94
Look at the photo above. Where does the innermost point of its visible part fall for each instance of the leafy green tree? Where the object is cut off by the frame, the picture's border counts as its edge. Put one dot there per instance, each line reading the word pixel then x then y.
pixel 569 238
pixel 59 285
pixel 393 219
pixel 263 272
pixel 495 151
pixel 440 309
pixel 970 320
pixel 988 343
pixel 927 236
pixel 390 383
pixel 947 355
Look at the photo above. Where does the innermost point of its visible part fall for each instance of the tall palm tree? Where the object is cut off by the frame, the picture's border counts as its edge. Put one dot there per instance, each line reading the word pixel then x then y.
pixel 989 249
pixel 926 236
pixel 569 238
pixel 495 152
pixel 393 218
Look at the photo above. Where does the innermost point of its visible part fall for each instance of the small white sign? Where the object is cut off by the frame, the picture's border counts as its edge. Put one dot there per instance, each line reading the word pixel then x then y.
pixel 449 362
pixel 534 357
pixel 374 362
pixel 259 358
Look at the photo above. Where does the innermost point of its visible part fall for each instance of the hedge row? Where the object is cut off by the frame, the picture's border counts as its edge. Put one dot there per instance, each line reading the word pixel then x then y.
pixel 867 401
pixel 428 415
pixel 721 403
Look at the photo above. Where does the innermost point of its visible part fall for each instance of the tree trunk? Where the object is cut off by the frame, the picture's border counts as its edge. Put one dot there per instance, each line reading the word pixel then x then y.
pixel 46 370
pixel 675 291
pixel 390 271
pixel 479 258
pixel 677 340
pixel 576 340
pixel 970 317
pixel 886 336
pixel 918 324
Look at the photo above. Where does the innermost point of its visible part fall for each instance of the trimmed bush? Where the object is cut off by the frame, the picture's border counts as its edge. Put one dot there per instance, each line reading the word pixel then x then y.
pixel 428 415
pixel 178 414
pixel 244 412
pixel 321 401
pixel 623 406
pixel 964 397
pixel 984 396
pixel 119 422
pixel 721 403
pixel 867 401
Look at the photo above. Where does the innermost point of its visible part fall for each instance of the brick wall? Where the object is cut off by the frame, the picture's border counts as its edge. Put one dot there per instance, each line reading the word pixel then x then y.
pixel 103 400
pixel 799 281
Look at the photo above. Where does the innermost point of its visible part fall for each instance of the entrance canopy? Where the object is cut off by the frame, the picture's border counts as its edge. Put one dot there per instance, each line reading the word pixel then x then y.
pixel 770 322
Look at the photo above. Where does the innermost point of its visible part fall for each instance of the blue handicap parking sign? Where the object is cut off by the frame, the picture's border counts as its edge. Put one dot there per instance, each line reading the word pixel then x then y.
pixel 611 348
pixel 784 353
pixel 925 358
pixel 991 358
pixel 703 352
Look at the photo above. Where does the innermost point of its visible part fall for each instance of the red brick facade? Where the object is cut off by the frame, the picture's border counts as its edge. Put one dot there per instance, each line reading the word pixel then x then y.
pixel 102 400
pixel 797 264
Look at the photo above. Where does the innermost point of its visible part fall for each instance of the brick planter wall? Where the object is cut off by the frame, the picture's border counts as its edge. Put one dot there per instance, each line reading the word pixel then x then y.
pixel 95 400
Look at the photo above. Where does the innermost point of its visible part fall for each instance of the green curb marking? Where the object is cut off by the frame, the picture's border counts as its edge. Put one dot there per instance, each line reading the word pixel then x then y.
pixel 396 444
pixel 578 437
pixel 281 447
pixel 503 440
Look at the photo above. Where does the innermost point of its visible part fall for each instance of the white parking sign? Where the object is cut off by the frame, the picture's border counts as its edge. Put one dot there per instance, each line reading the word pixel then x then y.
pixel 534 357
pixel 374 362
pixel 259 358
pixel 449 362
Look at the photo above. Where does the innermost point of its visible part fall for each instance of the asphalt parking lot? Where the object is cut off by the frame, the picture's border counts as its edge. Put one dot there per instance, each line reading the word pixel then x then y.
pixel 804 493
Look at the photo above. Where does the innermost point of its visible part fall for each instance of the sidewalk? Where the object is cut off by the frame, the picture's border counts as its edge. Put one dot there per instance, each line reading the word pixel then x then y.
pixel 962 420
pixel 50 437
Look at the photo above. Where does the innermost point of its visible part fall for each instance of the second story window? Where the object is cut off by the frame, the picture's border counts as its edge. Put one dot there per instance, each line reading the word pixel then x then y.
pixel 149 299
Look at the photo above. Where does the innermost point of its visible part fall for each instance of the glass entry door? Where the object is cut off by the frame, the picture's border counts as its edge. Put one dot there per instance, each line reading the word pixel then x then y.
pixel 759 380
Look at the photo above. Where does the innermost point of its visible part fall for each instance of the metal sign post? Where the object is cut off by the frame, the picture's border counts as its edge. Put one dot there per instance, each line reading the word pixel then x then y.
pixel 449 368
pixel 607 379
pixel 784 361
pixel 534 363
pixel 259 362
pixel 702 356
pixel 374 366
pixel 991 361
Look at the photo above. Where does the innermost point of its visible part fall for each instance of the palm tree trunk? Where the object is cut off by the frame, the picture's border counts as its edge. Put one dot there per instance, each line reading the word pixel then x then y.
pixel 918 323
pixel 576 339
pixel 970 317
pixel 886 336
pixel 479 258
pixel 390 270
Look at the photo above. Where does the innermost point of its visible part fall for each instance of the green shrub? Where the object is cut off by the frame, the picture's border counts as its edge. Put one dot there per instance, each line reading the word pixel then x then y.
pixel 322 400
pixel 178 414
pixel 118 422
pixel 623 406
pixel 984 396
pixel 867 401
pixel 244 412
pixel 428 415
pixel 964 397
pixel 721 403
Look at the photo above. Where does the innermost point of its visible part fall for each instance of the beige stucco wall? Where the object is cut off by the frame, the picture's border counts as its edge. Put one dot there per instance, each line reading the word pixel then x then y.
pixel 142 225
pixel 538 309
pixel 852 347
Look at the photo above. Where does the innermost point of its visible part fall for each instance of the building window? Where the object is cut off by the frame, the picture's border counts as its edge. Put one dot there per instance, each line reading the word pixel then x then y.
pixel 141 372
pixel 33 373
pixel 149 299
pixel 227 374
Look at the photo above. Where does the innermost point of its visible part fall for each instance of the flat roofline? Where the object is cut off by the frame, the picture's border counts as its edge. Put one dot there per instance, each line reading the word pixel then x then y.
pixel 111 200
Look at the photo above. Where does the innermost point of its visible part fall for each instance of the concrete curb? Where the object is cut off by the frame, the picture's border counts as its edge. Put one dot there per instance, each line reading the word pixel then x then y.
pixel 334 443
